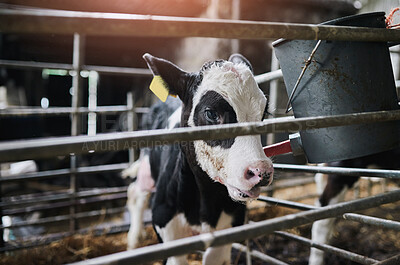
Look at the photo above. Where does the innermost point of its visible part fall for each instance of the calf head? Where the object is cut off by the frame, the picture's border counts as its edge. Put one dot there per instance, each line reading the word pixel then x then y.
pixel 222 92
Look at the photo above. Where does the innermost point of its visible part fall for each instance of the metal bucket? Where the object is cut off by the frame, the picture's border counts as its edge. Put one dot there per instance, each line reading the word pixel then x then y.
pixel 343 77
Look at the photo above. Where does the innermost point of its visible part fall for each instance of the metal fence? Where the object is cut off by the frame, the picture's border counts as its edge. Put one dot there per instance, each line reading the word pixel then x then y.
pixel 81 23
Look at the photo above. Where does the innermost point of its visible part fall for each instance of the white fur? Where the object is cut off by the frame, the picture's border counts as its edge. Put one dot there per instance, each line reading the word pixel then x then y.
pixel 219 255
pixel 175 118
pixel 132 170
pixel 138 197
pixel 236 84
pixel 178 228
pixel 321 230
pixel 320 181
pixel 138 201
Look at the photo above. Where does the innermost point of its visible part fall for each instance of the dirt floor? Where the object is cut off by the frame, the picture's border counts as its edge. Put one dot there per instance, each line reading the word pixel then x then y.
pixel 366 240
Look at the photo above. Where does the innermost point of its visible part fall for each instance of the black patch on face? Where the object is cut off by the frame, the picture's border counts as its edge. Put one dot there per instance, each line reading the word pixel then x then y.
pixel 214 109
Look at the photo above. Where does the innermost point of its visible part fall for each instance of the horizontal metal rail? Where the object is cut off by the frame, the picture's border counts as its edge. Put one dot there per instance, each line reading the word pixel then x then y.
pixel 235 234
pixel 62 66
pixel 61 204
pixel 50 147
pixel 61 218
pixel 289 183
pixel 267 77
pixel 262 78
pixel 115 24
pixel 54 111
pixel 8 202
pixel 334 250
pixel 286 203
pixel 64 172
pixel 383 223
pixel 395 260
pixel 259 255
pixel 357 172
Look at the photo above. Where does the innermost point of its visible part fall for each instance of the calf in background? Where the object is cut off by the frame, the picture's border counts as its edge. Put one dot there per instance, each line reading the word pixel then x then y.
pixel 332 189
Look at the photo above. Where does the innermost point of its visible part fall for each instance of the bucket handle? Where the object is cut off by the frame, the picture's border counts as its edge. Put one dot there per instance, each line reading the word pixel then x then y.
pixel 308 62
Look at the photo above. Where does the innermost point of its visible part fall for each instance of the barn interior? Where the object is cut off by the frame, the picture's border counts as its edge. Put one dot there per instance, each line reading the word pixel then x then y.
pixel 59 209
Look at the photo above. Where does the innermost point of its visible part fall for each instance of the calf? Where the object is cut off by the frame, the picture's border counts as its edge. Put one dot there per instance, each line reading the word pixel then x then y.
pixel 333 189
pixel 202 186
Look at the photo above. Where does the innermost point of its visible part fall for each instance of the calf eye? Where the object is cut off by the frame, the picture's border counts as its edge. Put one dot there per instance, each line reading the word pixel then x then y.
pixel 211 115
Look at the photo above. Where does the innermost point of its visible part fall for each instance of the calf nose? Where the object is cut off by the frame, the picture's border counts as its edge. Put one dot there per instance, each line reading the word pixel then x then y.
pixel 259 174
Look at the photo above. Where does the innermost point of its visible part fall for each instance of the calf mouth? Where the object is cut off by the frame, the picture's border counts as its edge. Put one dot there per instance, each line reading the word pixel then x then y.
pixel 253 193
pixel 243 195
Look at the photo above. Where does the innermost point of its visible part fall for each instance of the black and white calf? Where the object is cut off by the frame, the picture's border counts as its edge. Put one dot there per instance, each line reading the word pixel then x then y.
pixel 201 186
pixel 332 189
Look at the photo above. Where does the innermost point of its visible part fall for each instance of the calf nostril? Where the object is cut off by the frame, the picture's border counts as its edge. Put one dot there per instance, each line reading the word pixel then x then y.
pixel 249 174
pixel 265 179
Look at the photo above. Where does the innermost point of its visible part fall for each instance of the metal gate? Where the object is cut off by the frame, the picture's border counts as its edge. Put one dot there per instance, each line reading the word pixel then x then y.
pixel 20 21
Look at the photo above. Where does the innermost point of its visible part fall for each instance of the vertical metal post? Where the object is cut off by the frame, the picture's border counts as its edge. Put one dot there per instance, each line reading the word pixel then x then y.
pixel 273 105
pixel 235 43
pixel 130 121
pixel 1 216
pixel 273 96
pixel 92 103
pixel 77 61
pixel 247 242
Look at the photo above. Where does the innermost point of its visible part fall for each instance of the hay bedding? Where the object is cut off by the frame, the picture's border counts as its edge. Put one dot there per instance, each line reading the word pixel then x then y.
pixel 366 240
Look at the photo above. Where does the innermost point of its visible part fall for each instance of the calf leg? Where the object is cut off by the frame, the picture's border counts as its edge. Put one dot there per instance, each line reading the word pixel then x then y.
pixel 176 228
pixel 218 255
pixel 138 197
pixel 334 192
pixel 137 202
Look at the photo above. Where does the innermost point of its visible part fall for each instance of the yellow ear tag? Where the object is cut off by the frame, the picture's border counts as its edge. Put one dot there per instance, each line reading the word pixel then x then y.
pixel 157 86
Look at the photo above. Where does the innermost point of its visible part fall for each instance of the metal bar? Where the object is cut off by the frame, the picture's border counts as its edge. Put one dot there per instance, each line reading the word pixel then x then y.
pixel 337 251
pixel 112 24
pixel 12 112
pixel 34 65
pixel 270 76
pixel 284 184
pixel 101 69
pixel 286 203
pixel 380 173
pixel 64 172
pixel 61 218
pixel 77 61
pixel 28 199
pixel 262 78
pixel 82 201
pixel 118 70
pixel 383 223
pixel 130 121
pixel 259 255
pixel 50 147
pixel 240 233
pixel 395 260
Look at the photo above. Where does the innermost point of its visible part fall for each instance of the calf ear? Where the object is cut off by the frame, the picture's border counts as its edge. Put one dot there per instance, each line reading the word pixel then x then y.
pixel 175 79
pixel 237 58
